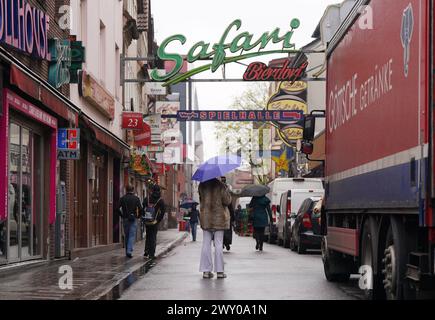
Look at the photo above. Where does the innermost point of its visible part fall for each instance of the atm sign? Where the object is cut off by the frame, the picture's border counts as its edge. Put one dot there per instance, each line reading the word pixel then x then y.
pixel 68 144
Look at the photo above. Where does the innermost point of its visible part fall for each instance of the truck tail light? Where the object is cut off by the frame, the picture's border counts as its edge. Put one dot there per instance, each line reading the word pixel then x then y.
pixel 289 208
pixel 274 213
pixel 306 221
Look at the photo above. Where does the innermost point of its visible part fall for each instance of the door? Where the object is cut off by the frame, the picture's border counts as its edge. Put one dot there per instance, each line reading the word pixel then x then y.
pixel 25 197
pixel 99 205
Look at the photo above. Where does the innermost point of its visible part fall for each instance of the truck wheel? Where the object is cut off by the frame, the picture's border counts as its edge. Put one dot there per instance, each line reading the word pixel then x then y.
pixel 369 244
pixel 335 267
pixel 397 246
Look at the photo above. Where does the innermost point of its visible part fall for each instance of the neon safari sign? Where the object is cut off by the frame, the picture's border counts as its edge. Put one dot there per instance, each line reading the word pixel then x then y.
pixel 24 28
pixel 243 42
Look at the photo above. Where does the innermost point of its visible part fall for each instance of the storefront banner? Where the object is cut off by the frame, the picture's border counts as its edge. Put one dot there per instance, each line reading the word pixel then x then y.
pixel 97 95
pixel 24 28
pixel 132 120
pixel 30 110
pixel 154 148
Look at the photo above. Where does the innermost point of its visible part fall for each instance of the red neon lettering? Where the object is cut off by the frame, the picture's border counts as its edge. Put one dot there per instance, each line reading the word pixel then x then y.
pixel 227 116
pixel 203 115
pixel 211 115
pixel 252 116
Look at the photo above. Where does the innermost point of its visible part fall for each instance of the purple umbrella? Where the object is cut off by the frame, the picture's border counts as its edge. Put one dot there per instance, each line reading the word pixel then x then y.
pixel 216 167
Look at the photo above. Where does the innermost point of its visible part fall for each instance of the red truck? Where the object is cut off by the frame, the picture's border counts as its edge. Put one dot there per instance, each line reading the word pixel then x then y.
pixel 378 215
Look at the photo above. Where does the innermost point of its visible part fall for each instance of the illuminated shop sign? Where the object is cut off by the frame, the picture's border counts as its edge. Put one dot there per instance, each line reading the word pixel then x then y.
pixel 241 43
pixel 24 28
pixel 258 115
pixel 258 71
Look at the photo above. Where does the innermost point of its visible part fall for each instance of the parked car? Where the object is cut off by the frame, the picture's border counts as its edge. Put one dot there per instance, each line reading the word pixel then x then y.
pixel 290 203
pixel 306 228
pixel 277 187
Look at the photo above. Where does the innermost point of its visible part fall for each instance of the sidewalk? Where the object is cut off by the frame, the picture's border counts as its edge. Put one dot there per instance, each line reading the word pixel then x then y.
pixel 94 277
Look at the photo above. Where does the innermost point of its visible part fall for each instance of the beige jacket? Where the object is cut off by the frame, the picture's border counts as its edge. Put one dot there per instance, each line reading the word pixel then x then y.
pixel 214 200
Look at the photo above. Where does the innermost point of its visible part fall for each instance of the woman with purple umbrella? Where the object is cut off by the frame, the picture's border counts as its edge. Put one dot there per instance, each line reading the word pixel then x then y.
pixel 215 197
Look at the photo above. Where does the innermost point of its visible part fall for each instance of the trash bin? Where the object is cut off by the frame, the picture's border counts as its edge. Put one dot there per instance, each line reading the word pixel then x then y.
pixel 59 234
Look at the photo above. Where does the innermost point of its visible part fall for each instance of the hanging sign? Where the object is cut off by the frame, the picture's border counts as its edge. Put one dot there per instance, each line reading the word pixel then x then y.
pixel 155 89
pixel 60 64
pixel 242 42
pixel 142 137
pixel 254 116
pixel 132 120
pixel 24 28
pixel 68 144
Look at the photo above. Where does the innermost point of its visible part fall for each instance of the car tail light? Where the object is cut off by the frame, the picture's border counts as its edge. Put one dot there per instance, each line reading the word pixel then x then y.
pixel 274 213
pixel 306 221
pixel 289 208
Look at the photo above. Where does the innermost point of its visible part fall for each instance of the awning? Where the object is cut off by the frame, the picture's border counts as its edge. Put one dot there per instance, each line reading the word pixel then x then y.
pixel 106 137
pixel 40 92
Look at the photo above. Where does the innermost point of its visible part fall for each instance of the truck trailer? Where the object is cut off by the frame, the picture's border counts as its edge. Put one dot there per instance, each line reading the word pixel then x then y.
pixel 378 217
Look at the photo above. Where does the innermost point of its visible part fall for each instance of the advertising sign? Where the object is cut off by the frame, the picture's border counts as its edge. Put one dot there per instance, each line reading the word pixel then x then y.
pixel 68 144
pixel 167 108
pixel 155 122
pixel 291 96
pixel 248 48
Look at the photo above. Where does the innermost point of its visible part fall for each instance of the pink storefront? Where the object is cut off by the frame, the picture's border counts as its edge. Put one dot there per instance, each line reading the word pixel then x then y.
pixel 28 183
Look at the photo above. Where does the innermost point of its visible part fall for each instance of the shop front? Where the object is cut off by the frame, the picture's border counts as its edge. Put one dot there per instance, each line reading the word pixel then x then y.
pixel 28 162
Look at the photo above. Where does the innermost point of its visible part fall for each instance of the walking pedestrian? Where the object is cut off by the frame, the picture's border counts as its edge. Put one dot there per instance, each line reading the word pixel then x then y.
pixel 154 213
pixel 214 218
pixel 238 217
pixel 194 219
pixel 261 214
pixel 130 210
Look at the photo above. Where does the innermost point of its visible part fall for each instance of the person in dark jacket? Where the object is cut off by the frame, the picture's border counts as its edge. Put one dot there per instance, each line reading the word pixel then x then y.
pixel 130 210
pixel 228 234
pixel 154 201
pixel 194 219
pixel 261 216
pixel 238 218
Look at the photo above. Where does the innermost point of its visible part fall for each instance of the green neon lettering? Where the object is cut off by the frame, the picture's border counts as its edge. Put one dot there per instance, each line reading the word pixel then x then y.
pixel 171 57
pixel 219 48
pixel 192 57
pixel 235 46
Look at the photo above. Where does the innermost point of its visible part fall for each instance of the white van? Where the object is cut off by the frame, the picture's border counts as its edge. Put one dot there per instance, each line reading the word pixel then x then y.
pixel 277 188
pixel 288 208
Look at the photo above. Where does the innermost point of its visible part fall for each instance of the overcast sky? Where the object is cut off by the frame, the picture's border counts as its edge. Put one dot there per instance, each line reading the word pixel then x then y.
pixel 205 20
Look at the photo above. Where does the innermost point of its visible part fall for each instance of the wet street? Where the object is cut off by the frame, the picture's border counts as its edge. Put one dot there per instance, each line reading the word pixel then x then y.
pixel 274 274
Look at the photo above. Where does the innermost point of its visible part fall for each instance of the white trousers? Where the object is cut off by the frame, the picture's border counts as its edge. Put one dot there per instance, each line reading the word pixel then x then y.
pixel 206 264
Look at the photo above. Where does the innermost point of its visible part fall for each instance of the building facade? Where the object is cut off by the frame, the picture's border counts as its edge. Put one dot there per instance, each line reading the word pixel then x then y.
pixel 34 106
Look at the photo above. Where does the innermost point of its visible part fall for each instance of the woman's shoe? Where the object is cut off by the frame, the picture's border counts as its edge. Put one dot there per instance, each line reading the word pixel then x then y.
pixel 221 275
pixel 257 247
pixel 207 275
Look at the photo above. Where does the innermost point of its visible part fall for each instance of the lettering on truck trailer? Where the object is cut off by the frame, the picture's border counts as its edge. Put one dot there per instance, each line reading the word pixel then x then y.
pixel 346 101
